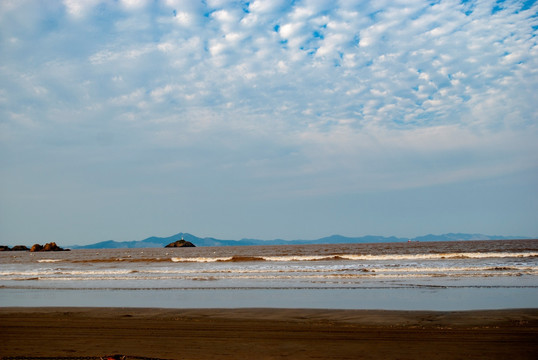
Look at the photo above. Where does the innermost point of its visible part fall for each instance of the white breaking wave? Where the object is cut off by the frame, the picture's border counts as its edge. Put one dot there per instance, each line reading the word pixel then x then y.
pixel 201 259
pixel 265 272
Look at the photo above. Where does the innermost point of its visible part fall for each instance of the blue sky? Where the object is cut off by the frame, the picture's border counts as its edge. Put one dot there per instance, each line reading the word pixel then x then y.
pixel 267 119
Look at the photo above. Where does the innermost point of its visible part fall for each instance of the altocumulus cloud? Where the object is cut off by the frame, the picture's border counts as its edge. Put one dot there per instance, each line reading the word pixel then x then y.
pixel 266 98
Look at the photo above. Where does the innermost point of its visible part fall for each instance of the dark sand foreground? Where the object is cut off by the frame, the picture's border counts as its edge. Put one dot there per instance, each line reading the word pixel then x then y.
pixel 269 333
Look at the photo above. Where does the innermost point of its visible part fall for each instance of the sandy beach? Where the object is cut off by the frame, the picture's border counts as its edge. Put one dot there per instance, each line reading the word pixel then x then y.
pixel 269 333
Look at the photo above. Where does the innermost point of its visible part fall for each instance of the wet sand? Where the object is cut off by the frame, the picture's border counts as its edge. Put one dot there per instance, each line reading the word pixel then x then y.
pixel 269 333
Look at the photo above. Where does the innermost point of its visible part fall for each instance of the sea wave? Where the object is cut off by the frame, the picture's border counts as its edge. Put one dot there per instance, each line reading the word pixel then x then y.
pixel 104 281
pixel 269 272
pixel 395 258
pixel 361 257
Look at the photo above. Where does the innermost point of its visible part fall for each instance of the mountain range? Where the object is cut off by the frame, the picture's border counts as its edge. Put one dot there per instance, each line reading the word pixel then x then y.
pixel 154 241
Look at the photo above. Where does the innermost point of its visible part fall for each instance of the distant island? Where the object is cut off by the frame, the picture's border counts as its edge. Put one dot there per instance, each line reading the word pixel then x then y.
pixel 159 242
pixel 180 243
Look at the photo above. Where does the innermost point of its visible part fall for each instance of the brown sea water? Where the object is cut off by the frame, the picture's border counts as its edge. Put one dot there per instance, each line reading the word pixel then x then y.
pixel 428 275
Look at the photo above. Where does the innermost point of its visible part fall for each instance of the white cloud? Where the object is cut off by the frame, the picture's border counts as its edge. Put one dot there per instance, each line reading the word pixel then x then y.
pixel 134 4
pixel 266 6
pixel 78 8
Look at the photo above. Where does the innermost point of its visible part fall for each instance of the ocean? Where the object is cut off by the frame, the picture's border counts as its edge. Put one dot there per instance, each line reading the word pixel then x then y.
pixel 466 275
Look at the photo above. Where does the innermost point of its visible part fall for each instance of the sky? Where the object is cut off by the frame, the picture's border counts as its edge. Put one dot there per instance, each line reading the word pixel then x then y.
pixel 267 119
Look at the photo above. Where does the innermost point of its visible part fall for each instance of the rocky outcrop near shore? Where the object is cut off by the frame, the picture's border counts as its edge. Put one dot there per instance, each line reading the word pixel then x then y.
pixel 180 243
pixel 47 247
pixel 36 247
pixel 14 248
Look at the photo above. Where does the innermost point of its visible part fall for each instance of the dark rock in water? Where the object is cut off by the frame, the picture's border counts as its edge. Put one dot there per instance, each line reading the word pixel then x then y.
pixel 4 248
pixel 36 247
pixel 19 248
pixel 180 243
pixel 114 357
pixel 51 247
pixel 47 247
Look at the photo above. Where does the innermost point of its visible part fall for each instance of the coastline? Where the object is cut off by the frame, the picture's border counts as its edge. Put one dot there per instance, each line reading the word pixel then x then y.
pixel 268 333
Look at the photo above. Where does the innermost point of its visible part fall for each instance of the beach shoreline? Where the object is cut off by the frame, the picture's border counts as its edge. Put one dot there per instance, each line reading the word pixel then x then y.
pixel 268 333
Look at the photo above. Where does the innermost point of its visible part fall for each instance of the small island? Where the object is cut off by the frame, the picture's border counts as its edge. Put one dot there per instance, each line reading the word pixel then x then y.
pixel 180 243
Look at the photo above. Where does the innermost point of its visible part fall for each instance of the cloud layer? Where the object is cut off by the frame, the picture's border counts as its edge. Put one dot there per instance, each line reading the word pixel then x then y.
pixel 264 99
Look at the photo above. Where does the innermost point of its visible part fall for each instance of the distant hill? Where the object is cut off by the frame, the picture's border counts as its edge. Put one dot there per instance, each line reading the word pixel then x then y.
pixel 157 242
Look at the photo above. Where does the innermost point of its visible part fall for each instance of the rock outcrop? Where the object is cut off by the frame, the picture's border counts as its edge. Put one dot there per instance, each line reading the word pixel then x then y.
pixel 14 248
pixel 180 243
pixel 36 247
pixel 52 247
pixel 47 247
